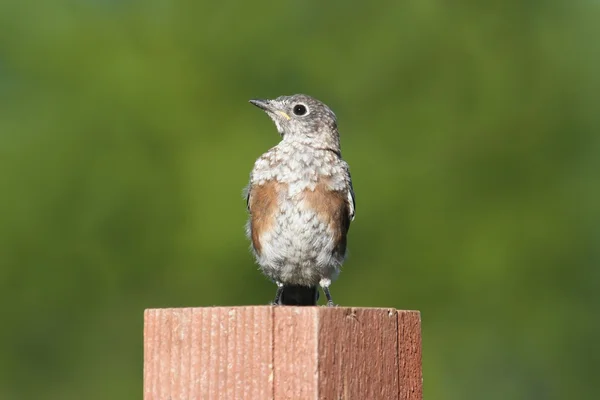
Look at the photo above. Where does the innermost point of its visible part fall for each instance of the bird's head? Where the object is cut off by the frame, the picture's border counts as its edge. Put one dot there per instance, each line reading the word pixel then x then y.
pixel 301 118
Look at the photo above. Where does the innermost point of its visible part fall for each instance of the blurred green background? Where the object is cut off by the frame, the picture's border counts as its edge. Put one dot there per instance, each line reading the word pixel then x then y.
pixel 472 131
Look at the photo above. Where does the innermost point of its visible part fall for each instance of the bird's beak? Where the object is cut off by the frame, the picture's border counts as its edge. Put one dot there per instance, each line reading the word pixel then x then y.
pixel 268 106
pixel 262 104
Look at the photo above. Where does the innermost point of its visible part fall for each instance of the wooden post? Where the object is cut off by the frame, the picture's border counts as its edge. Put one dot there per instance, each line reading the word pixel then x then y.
pixel 282 352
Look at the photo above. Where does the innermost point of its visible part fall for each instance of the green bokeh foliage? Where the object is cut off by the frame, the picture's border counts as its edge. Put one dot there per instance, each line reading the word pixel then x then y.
pixel 472 131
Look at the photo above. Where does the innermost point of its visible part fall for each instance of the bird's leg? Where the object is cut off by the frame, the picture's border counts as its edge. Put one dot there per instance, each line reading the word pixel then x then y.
pixel 325 286
pixel 328 295
pixel 277 300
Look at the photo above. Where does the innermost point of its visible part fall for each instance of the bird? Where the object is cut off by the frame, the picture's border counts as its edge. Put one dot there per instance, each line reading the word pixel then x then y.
pixel 300 201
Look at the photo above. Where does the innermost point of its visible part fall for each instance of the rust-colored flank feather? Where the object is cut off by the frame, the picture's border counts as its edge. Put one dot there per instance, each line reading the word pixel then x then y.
pixel 262 203
pixel 332 208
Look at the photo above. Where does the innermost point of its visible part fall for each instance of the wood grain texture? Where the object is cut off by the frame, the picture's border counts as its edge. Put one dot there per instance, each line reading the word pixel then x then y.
pixel 295 352
pixel 268 352
pixel 358 354
pixel 410 355
pixel 208 353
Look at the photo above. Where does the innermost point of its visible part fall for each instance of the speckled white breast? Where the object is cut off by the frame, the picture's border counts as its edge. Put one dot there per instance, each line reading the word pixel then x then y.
pixel 299 249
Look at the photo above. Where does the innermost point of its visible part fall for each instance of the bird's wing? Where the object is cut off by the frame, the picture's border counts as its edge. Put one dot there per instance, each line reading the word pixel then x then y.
pixel 246 194
pixel 351 199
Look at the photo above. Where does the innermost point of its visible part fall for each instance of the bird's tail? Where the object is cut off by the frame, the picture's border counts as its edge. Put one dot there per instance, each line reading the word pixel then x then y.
pixel 295 295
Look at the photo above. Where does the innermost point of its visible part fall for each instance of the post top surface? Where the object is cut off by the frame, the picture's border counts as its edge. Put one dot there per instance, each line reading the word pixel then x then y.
pixel 295 308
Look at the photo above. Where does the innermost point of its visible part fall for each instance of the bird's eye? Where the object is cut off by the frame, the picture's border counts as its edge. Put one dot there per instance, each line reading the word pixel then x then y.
pixel 299 109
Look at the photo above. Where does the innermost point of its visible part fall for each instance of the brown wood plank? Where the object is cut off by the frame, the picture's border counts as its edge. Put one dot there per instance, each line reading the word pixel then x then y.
pixel 358 353
pixel 410 355
pixel 296 353
pixel 295 347
pixel 208 353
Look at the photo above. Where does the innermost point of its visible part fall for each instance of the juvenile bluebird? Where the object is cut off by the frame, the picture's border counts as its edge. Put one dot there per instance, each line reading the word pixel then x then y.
pixel 300 200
